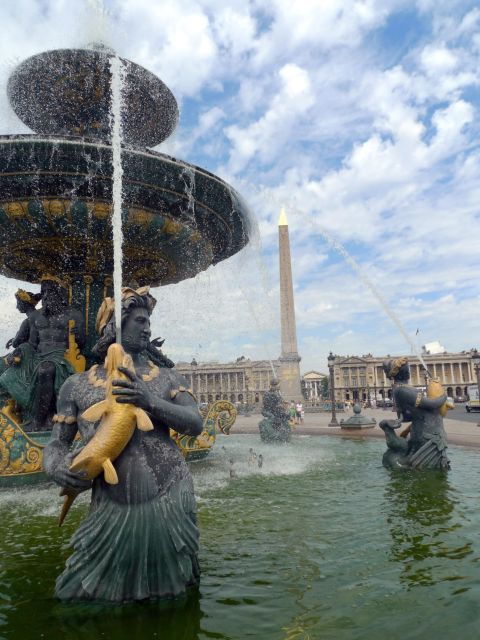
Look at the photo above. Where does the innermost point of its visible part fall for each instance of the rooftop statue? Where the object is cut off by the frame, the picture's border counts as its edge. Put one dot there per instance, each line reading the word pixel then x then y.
pixel 140 538
pixel 423 445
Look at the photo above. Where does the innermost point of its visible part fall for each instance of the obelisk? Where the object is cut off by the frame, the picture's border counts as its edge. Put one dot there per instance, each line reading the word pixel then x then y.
pixel 289 360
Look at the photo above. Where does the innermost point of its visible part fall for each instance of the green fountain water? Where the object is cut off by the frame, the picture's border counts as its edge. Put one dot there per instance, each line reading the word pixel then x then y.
pixel 319 543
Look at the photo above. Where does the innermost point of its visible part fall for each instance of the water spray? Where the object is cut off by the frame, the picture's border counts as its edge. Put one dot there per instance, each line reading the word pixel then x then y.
pixel 118 71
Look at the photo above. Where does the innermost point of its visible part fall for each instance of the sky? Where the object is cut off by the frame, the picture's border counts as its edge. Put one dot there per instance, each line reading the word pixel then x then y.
pixel 360 117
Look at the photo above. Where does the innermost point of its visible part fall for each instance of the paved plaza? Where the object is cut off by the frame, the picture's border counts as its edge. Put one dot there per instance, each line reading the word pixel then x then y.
pixel 461 432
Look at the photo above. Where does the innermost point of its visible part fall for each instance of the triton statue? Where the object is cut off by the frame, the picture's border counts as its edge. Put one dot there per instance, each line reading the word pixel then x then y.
pixel 423 444
pixel 140 538
pixel 38 365
pixel 275 426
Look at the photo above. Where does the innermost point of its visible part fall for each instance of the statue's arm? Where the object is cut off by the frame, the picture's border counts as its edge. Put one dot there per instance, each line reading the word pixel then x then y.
pixel 180 412
pixel 22 335
pixel 56 455
pixel 432 403
pixel 409 398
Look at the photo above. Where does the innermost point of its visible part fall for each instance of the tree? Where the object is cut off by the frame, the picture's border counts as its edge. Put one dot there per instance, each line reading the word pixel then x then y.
pixel 325 387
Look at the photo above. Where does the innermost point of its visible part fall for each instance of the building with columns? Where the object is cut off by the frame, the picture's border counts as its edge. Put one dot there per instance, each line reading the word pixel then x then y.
pixel 243 381
pixel 358 377
pixel 312 385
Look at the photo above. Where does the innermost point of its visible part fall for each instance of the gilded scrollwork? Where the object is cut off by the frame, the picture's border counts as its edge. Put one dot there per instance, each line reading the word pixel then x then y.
pixel 220 416
pixel 18 453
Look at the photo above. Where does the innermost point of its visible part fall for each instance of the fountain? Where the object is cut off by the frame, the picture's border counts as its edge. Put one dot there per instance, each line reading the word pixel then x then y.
pixel 275 426
pixel 357 421
pixel 57 186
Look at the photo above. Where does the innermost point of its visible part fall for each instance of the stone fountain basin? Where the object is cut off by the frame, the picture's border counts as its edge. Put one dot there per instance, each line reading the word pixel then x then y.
pixel 55 212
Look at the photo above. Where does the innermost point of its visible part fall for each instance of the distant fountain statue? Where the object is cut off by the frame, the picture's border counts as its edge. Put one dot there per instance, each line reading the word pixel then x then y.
pixel 423 444
pixel 275 426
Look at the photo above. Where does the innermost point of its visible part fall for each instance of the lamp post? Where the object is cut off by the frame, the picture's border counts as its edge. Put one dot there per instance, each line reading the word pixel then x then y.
pixel 476 365
pixel 331 362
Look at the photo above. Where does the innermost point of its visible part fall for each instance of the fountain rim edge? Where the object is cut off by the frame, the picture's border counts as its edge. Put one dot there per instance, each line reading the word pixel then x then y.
pixel 78 141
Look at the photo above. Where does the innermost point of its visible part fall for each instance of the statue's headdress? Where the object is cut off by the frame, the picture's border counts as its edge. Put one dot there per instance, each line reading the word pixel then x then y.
pixel 392 367
pixel 107 308
pixel 27 296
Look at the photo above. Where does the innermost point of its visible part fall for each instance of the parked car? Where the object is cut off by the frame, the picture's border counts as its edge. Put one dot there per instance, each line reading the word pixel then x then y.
pixel 385 403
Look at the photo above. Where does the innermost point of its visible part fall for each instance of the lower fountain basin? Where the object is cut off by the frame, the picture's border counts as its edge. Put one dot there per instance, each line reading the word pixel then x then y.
pixel 55 212
pixel 321 542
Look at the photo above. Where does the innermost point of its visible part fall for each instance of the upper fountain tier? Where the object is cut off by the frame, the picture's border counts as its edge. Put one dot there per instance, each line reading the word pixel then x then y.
pixel 56 184
pixel 67 92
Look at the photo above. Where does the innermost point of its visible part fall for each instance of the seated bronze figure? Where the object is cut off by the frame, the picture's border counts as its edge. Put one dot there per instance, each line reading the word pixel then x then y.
pixel 423 444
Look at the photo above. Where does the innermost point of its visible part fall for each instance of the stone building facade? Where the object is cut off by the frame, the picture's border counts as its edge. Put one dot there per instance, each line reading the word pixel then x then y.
pixel 312 386
pixel 357 377
pixel 243 381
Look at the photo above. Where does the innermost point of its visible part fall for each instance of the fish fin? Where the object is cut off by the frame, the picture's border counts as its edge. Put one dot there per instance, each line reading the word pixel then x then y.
pixel 109 472
pixel 95 412
pixel 78 465
pixel 143 421
pixel 70 496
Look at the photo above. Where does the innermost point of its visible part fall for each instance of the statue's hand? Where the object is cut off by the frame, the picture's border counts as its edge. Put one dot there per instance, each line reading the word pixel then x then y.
pixel 14 357
pixel 133 391
pixel 9 343
pixel 71 480
pixel 390 424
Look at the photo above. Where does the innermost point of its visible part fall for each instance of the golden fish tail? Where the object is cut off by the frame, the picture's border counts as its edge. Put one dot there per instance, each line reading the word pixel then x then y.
pixel 70 495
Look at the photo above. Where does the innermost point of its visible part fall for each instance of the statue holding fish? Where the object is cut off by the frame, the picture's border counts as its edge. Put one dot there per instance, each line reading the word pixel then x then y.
pixel 140 538
pixel 423 444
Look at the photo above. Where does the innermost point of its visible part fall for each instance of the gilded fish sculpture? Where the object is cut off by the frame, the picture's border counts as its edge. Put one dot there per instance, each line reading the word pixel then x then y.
pixel 435 390
pixel 118 422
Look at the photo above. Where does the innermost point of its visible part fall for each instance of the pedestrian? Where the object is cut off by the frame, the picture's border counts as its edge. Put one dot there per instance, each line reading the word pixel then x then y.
pixel 260 461
pixel 292 412
pixel 298 412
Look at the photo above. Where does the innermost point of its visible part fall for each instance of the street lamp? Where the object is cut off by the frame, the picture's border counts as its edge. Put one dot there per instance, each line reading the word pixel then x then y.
pixel 476 365
pixel 331 362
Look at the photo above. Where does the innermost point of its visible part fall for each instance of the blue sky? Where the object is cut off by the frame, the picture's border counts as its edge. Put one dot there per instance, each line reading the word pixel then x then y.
pixel 359 116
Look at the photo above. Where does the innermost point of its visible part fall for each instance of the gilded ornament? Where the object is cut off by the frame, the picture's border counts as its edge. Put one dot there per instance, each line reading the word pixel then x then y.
pixel 101 210
pixel 15 209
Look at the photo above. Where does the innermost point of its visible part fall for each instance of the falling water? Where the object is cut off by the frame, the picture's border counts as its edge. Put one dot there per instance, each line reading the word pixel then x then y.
pixel 339 248
pixel 118 74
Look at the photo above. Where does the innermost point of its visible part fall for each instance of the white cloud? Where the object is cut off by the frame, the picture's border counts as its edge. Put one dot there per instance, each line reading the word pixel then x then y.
pixel 295 103
pixel 438 59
